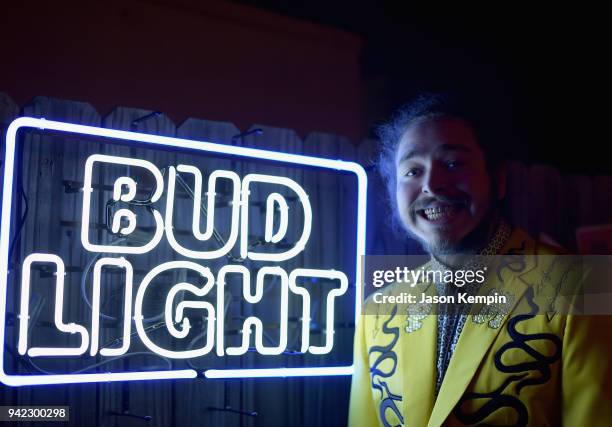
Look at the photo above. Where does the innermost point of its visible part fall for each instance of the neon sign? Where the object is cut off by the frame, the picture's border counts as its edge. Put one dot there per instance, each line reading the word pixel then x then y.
pixel 125 222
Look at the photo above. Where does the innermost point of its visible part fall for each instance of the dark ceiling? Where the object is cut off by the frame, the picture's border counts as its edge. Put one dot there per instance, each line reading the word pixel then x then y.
pixel 542 64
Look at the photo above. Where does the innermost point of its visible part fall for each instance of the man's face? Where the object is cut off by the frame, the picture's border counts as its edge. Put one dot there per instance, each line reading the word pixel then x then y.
pixel 444 191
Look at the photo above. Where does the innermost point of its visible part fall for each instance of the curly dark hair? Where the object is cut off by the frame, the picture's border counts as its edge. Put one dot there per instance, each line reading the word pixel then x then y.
pixel 485 120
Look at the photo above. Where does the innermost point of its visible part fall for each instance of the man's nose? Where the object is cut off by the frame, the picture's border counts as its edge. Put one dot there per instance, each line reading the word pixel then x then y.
pixel 435 181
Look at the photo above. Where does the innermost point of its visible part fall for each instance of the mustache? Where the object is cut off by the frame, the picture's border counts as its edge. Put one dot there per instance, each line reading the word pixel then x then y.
pixel 425 202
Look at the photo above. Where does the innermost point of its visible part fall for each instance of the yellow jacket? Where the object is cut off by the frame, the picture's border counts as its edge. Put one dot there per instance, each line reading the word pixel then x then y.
pixel 518 369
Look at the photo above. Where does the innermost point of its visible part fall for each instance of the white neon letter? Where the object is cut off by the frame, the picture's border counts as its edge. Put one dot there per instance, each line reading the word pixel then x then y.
pixel 300 245
pixel 70 328
pixel 198 291
pixel 257 323
pixel 95 306
pixel 246 283
pixel 283 208
pixel 210 219
pixel 329 321
pixel 117 189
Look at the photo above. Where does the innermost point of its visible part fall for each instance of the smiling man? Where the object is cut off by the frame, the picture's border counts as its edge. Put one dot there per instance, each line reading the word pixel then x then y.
pixel 444 192
pixel 530 361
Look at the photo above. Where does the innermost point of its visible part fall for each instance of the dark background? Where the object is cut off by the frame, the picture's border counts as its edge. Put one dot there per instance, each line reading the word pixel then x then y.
pixel 334 66
pixel 543 64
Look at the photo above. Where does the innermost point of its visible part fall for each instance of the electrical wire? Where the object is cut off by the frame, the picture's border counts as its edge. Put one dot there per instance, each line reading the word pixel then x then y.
pixel 95 365
pixel 227 297
pixel 21 223
pixel 84 278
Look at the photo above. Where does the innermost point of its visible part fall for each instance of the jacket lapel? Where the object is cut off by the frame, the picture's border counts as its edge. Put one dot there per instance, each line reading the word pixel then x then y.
pixel 418 356
pixel 476 337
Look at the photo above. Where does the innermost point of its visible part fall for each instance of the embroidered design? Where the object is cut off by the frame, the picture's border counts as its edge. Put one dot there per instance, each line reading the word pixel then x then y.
pixel 514 260
pixel 541 362
pixel 549 291
pixel 536 362
pixel 501 236
pixel 450 326
pixel 497 400
pixel 376 328
pixel 493 314
pixel 417 313
pixel 378 374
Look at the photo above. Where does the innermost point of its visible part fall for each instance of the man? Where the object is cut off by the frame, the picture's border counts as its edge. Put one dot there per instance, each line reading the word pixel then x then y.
pixel 526 361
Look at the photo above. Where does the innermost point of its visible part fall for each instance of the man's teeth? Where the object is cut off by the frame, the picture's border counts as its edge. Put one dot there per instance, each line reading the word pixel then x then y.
pixel 438 212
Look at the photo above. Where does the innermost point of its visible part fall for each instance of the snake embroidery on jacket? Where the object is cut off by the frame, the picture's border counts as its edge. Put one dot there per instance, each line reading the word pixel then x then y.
pixel 537 362
pixel 388 399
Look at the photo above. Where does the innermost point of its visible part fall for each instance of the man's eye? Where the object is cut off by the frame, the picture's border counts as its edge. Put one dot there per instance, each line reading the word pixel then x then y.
pixel 412 172
pixel 453 164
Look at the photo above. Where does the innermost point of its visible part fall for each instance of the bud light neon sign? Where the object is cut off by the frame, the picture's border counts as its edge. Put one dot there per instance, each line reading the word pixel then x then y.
pixel 195 286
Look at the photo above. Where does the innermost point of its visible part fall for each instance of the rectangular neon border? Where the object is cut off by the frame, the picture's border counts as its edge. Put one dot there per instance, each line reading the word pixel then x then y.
pixel 7 195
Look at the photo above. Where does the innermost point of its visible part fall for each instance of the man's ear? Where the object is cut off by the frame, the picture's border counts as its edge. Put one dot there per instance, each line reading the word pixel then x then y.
pixel 501 178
